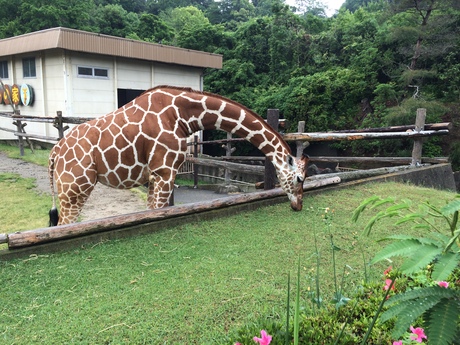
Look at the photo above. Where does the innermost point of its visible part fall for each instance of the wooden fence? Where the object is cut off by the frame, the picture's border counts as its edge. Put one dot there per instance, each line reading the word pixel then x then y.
pixel 417 132
pixel 20 121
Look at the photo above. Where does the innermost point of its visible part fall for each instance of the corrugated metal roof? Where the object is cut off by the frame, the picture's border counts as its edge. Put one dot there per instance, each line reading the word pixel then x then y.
pixel 88 42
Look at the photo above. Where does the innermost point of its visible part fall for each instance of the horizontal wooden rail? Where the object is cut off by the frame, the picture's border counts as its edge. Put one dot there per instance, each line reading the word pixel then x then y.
pixel 34 119
pixel 392 160
pixel 43 235
pixel 8 130
pixel 245 168
pixel 34 136
pixel 330 136
pixel 427 127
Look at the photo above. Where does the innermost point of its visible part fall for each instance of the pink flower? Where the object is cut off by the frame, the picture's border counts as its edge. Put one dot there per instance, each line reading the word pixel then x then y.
pixel 399 342
pixel 419 333
pixel 388 270
pixel 443 284
pixel 387 285
pixel 237 343
pixel 265 340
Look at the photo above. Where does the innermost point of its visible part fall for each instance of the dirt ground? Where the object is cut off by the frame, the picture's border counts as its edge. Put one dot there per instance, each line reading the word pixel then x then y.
pixel 103 201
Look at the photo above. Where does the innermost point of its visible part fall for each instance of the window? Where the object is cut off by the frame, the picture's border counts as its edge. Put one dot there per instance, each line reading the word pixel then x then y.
pixel 28 67
pixel 93 72
pixel 4 69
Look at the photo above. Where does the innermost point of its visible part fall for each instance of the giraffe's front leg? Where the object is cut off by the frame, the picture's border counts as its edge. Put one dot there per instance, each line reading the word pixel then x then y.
pixel 161 187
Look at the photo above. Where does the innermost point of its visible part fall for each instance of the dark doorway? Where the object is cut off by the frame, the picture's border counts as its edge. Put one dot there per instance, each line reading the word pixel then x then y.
pixel 127 95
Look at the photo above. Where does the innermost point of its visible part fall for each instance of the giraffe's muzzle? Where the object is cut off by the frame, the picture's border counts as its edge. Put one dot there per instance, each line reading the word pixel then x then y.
pixel 297 204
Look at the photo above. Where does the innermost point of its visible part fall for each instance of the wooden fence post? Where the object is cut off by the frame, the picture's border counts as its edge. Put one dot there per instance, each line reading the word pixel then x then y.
pixel 228 153
pixel 270 172
pixel 300 145
pixel 418 142
pixel 58 124
pixel 195 167
pixel 20 127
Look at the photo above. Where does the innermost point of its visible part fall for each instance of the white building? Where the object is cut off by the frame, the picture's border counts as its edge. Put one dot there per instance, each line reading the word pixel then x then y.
pixel 85 74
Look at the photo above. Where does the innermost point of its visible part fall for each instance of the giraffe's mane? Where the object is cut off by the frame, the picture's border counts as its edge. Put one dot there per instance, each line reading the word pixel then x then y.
pixel 205 93
pixel 228 100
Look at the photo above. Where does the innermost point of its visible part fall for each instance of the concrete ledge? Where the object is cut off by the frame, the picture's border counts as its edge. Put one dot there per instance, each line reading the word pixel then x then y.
pixel 439 176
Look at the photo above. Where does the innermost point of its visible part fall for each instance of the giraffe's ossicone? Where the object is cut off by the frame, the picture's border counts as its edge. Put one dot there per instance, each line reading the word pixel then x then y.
pixel 145 142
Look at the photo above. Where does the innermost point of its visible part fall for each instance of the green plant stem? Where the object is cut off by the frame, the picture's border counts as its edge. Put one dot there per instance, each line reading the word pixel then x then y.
pixel 371 326
pixel 346 323
pixel 333 266
pixel 318 301
pixel 288 306
pixel 297 308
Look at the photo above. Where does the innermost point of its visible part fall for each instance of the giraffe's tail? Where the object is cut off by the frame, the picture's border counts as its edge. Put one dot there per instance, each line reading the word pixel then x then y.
pixel 53 213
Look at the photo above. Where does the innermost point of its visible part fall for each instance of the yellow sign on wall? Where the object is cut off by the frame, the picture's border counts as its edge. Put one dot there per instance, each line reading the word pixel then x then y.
pixel 27 94
pixel 18 95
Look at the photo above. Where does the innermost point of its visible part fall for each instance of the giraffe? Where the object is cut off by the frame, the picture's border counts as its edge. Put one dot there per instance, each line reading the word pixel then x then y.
pixel 145 142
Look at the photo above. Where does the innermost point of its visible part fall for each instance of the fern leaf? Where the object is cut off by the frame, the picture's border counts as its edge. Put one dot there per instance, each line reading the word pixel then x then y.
pixel 399 248
pixel 403 206
pixel 442 322
pixel 410 218
pixel 413 310
pixel 447 262
pixel 392 312
pixel 451 207
pixel 441 237
pixel 452 240
pixel 382 202
pixel 426 292
pixel 420 258
pixel 422 226
pixel 399 237
pixel 363 206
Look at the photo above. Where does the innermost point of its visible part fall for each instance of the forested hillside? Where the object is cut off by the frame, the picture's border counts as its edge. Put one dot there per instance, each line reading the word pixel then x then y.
pixel 372 64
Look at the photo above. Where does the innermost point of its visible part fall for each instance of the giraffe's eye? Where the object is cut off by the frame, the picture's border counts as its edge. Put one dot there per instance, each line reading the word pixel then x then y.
pixel 290 160
pixel 299 179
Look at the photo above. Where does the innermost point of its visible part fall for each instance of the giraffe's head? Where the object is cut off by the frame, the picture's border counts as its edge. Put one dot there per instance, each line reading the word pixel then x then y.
pixel 291 179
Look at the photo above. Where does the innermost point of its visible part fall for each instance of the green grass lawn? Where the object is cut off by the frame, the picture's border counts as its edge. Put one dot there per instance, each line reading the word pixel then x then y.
pixel 39 157
pixel 191 284
pixel 22 206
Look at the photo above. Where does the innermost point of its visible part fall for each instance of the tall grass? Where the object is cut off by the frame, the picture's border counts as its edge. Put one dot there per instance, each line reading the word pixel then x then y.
pixel 192 284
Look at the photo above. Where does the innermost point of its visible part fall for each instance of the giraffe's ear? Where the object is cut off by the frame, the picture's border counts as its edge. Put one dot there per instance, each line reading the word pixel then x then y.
pixel 305 158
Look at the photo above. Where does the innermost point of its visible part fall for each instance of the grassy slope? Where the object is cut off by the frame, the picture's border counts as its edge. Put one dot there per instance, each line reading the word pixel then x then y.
pixel 191 284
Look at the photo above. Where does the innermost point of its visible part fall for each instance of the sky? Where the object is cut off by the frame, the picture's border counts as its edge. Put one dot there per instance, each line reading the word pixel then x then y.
pixel 332 5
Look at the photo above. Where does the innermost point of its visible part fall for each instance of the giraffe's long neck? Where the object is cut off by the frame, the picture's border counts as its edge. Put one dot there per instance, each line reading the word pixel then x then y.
pixel 211 112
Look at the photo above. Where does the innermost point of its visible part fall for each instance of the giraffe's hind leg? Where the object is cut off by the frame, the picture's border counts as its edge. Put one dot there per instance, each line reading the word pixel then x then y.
pixel 72 197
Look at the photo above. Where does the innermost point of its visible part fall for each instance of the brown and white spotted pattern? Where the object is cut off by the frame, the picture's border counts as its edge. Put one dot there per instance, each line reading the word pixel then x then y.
pixel 145 142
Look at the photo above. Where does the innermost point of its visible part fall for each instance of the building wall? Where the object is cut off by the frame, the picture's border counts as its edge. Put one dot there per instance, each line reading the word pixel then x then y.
pixel 91 96
pixel 58 87
pixel 177 76
pixel 133 74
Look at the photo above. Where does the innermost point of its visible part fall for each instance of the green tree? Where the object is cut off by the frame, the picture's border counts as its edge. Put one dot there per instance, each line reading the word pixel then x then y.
pixel 192 29
pixel 153 29
pixel 34 15
pixel 115 20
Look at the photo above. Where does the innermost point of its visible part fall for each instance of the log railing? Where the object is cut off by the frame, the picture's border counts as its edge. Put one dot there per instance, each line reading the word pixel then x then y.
pixel 416 132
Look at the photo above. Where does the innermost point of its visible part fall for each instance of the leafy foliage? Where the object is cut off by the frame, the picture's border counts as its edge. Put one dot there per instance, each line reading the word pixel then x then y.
pixel 438 307
pixel 370 65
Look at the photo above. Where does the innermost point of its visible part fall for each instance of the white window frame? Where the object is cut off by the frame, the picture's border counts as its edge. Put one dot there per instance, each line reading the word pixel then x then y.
pixel 29 69
pixel 6 64
pixel 93 72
